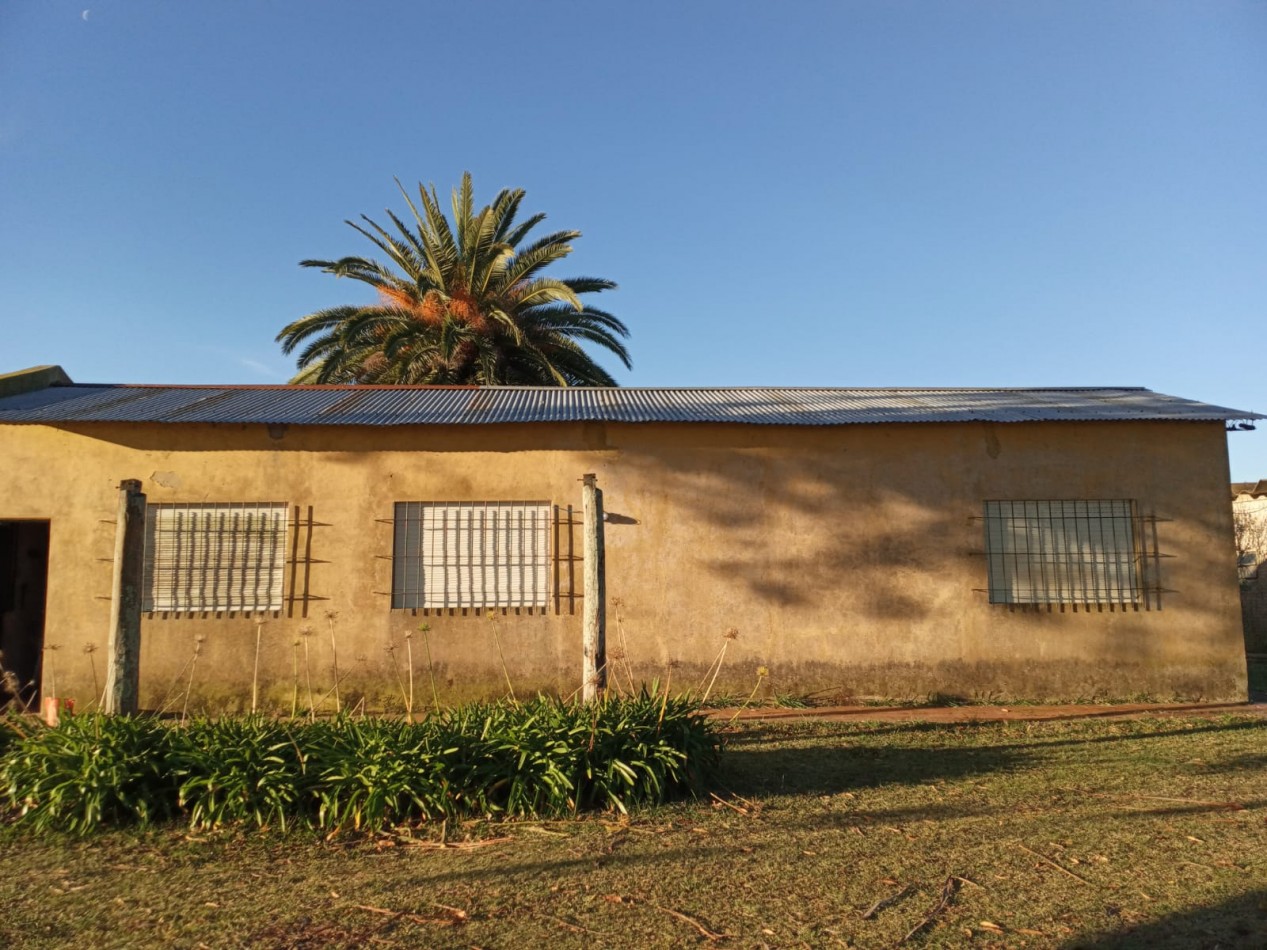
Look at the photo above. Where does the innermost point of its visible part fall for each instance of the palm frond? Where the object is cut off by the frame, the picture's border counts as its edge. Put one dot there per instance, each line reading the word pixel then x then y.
pixel 437 236
pixel 463 203
pixel 589 285
pixel 322 320
pixel 545 290
pixel 515 238
pixel 506 207
pixel 528 262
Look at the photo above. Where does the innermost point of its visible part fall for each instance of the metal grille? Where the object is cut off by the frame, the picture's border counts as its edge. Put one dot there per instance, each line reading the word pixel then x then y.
pixel 1063 552
pixel 216 557
pixel 471 554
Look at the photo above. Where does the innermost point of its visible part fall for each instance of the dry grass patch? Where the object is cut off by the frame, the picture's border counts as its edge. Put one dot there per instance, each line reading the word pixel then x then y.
pixel 1085 834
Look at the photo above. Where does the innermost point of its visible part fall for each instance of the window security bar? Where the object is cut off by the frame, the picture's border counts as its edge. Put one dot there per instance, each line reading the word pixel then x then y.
pixel 202 558
pixel 1070 552
pixel 471 554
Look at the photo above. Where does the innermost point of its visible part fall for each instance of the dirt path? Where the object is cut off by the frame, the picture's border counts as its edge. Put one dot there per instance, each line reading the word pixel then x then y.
pixel 994 713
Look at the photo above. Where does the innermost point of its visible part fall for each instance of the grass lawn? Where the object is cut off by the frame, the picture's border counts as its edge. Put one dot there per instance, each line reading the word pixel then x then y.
pixel 1085 834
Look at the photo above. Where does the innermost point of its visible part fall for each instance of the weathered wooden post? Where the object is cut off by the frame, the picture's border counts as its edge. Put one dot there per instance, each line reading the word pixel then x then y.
pixel 123 658
pixel 594 614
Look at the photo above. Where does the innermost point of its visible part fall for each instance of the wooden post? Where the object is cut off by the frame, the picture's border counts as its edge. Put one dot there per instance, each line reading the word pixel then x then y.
pixel 594 603
pixel 123 659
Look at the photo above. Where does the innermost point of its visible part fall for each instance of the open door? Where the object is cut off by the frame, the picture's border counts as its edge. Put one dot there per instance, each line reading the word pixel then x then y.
pixel 23 587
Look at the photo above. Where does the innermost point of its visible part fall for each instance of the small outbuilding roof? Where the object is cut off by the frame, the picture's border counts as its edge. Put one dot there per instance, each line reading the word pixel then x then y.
pixel 53 399
pixel 1256 489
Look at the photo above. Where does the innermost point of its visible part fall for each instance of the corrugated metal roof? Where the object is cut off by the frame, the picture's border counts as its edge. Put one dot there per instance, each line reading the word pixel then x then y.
pixel 1256 489
pixel 419 405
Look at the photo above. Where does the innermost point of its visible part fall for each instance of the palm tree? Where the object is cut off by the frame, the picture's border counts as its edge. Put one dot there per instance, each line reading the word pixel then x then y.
pixel 459 304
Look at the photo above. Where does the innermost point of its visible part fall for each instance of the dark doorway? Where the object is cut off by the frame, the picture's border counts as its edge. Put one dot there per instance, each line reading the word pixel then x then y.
pixel 23 586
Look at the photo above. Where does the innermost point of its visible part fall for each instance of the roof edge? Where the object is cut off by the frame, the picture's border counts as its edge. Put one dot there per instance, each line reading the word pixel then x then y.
pixel 33 378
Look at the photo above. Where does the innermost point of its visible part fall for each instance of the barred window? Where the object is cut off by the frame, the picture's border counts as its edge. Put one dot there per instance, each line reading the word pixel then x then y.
pixel 471 554
pixel 214 557
pixel 1063 552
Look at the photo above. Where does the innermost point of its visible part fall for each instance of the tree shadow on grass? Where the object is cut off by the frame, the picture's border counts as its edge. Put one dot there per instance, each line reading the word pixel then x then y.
pixel 808 730
pixel 1236 924
pixel 754 771
pixel 1158 732
pixel 1007 733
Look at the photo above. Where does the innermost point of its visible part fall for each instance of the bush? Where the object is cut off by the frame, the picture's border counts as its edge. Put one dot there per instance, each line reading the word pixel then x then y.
pixel 91 771
pixel 372 773
pixel 544 758
pixel 10 732
pixel 238 770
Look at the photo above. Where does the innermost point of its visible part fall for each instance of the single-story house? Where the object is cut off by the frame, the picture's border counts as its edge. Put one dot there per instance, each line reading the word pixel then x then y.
pixel 1044 544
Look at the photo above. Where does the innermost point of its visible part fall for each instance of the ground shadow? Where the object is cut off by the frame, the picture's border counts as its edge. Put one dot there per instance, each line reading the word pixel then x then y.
pixel 1157 733
pixel 755 771
pixel 1236 924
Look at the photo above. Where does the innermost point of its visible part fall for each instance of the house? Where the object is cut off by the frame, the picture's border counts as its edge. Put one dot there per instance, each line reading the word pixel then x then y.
pixel 1045 544
pixel 1249 517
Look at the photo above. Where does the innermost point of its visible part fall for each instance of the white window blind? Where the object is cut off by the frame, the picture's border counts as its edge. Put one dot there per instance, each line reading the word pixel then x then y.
pixel 215 557
pixel 1062 552
pixel 471 554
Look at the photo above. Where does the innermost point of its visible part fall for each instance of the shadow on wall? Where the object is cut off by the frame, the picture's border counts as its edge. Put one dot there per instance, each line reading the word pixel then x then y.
pixel 795 527
pixel 874 520
pixel 881 531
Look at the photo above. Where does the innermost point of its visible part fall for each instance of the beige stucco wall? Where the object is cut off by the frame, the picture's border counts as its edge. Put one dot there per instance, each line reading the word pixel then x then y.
pixel 847 558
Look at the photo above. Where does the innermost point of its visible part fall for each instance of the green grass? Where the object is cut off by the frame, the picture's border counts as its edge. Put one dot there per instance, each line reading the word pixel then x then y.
pixel 1163 822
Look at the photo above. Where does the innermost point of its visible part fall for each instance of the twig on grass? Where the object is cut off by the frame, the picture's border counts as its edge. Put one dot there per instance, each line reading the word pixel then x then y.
pixel 686 918
pixel 889 901
pixel 454 845
pixel 733 794
pixel 454 916
pixel 721 801
pixel 1058 867
pixel 947 895
pixel 575 928
pixel 1197 864
pixel 457 912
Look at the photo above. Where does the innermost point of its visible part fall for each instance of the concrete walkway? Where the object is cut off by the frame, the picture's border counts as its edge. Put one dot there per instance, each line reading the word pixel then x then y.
pixel 990 713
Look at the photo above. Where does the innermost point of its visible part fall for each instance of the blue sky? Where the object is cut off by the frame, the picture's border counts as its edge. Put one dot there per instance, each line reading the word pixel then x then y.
pixel 847 193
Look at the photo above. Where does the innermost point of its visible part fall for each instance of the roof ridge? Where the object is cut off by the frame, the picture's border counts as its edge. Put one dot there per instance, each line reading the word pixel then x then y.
pixel 406 387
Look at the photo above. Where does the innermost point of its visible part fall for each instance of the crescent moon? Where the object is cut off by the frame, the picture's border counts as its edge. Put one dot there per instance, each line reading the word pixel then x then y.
pixel 85 14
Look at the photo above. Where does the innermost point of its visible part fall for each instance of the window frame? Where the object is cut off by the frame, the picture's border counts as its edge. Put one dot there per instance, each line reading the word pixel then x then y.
pixel 244 573
pixel 1081 552
pixel 463 563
